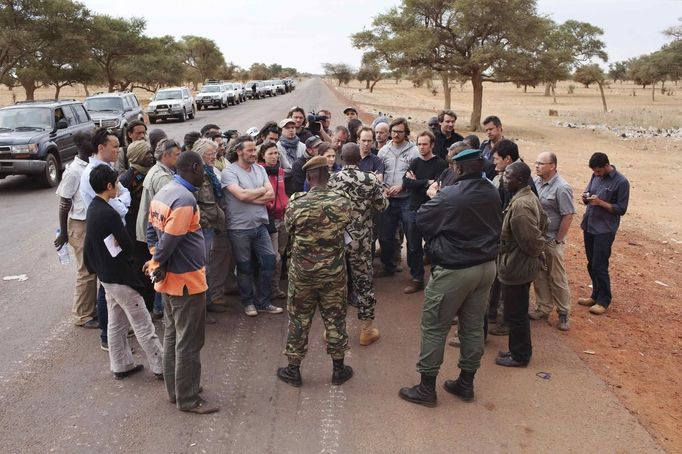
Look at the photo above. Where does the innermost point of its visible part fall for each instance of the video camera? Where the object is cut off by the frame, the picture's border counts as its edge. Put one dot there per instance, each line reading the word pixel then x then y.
pixel 314 122
pixel 230 134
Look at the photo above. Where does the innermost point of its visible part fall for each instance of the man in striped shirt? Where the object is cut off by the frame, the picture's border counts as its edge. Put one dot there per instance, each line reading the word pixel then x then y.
pixel 178 267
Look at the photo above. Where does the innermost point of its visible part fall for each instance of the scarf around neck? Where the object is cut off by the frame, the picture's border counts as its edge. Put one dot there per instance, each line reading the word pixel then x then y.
pixel 213 178
pixel 291 145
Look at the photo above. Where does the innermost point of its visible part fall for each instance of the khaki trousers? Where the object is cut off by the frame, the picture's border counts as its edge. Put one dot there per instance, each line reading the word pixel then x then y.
pixel 85 293
pixel 221 274
pixel 126 308
pixel 551 286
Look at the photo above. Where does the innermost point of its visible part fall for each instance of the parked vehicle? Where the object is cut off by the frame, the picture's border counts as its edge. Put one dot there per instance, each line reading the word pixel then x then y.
pixel 212 95
pixel 269 88
pixel 280 88
pixel 36 138
pixel 242 91
pixel 233 93
pixel 176 102
pixel 114 110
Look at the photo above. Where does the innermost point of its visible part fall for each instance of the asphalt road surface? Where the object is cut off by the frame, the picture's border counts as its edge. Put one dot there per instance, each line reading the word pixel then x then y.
pixel 57 394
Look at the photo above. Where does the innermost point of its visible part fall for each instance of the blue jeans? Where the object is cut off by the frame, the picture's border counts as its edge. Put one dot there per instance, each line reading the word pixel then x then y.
pixel 398 211
pixel 598 252
pixel 415 250
pixel 209 234
pixel 102 313
pixel 247 244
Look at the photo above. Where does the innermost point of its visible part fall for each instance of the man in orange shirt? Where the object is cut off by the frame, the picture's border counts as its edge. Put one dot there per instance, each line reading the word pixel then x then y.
pixel 178 267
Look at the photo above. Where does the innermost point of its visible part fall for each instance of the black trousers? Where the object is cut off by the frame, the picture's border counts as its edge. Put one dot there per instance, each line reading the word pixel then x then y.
pixel 516 316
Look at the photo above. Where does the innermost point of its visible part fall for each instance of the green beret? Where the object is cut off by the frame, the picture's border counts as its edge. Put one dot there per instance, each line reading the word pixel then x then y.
pixel 315 163
pixel 467 155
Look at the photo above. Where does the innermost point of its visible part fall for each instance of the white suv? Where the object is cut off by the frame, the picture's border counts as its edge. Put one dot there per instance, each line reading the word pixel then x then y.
pixel 175 102
pixel 233 93
pixel 212 95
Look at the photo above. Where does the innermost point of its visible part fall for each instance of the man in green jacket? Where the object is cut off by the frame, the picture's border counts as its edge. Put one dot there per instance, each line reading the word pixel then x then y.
pixel 521 257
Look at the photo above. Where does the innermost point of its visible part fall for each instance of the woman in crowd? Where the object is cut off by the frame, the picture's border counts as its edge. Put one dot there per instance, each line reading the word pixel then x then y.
pixel 268 157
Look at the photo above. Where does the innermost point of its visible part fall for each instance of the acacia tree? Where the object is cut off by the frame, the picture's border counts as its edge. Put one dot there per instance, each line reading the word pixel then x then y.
pixel 592 74
pixel 618 71
pixel 113 41
pixel 370 71
pixel 455 37
pixel 203 56
pixel 339 71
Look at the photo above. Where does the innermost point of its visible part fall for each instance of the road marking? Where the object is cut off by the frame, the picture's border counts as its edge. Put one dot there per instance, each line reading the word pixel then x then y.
pixel 330 425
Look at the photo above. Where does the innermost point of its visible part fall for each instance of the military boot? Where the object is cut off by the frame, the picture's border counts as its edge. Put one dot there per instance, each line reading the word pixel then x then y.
pixel 423 394
pixel 368 334
pixel 341 373
pixel 463 387
pixel 290 375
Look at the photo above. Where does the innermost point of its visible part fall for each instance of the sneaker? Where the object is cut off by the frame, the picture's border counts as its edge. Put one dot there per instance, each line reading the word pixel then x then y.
pixel 538 315
pixel 104 346
pixel 250 310
pixel 563 322
pixel 271 309
pixel 586 301
pixel 597 309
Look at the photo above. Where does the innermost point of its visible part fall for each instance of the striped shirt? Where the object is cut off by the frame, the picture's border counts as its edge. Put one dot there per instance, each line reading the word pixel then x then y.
pixel 174 233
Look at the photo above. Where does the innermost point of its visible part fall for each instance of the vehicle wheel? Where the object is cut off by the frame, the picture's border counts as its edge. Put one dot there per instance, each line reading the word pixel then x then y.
pixel 52 174
pixel 183 116
pixel 152 120
pixel 193 114
pixel 198 106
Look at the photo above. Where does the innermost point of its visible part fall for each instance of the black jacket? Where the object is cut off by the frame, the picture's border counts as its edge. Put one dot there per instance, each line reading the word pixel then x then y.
pixel 101 221
pixel 442 144
pixel 462 223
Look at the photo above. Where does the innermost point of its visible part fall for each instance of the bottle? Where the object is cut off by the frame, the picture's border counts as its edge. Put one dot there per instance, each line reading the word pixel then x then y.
pixel 63 252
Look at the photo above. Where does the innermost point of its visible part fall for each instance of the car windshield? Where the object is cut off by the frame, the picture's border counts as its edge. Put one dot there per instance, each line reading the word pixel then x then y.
pixel 211 89
pixel 26 117
pixel 94 104
pixel 170 94
pixel 229 86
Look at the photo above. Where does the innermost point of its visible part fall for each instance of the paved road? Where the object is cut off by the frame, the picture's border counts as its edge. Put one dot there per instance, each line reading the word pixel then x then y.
pixel 57 394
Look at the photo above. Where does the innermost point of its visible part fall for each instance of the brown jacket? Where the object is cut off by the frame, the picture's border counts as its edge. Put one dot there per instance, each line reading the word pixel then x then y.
pixel 210 212
pixel 522 239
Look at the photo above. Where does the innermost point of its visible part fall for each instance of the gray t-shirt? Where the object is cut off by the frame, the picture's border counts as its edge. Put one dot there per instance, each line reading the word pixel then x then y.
pixel 241 215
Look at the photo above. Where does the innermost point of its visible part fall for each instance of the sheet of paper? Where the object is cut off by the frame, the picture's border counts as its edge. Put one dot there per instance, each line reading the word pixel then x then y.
pixel 112 245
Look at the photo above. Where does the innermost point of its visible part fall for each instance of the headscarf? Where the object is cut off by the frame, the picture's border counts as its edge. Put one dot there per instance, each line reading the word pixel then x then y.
pixel 136 153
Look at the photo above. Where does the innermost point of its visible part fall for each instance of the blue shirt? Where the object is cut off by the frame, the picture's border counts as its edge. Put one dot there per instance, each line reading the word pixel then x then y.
pixel 372 164
pixel 613 188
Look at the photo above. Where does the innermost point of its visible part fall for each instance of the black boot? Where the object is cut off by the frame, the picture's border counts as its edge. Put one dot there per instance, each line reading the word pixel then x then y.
pixel 423 394
pixel 463 387
pixel 291 375
pixel 341 373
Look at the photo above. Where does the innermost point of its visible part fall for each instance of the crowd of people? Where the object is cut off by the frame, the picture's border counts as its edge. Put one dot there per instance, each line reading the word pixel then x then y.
pixel 297 210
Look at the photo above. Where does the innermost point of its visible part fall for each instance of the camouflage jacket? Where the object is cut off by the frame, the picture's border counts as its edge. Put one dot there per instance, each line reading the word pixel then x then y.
pixel 366 194
pixel 316 221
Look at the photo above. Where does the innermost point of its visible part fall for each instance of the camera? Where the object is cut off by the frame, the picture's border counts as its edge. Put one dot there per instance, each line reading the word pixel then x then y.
pixel 314 122
pixel 230 134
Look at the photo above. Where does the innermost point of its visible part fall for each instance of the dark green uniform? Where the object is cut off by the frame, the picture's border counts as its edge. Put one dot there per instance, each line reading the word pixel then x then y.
pixel 316 222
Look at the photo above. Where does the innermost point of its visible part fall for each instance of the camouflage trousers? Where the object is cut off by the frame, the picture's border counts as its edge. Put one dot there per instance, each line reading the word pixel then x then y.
pixel 304 298
pixel 360 276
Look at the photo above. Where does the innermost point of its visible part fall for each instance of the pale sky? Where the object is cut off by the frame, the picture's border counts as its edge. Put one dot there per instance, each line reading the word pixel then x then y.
pixel 304 35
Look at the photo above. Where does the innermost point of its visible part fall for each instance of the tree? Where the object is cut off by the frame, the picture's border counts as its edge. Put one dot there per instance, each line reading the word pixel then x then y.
pixel 160 65
pixel 674 31
pixel 113 42
pixel 567 46
pixel 203 56
pixel 454 38
pixel 618 71
pixel 592 74
pixel 259 71
pixel 339 71
pixel 370 71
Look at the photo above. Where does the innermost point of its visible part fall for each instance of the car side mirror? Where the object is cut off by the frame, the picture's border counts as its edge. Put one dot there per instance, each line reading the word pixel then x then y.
pixel 62 124
pixel 128 109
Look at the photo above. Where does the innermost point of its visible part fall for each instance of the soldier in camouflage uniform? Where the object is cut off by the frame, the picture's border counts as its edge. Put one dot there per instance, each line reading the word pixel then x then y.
pixel 316 222
pixel 368 199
